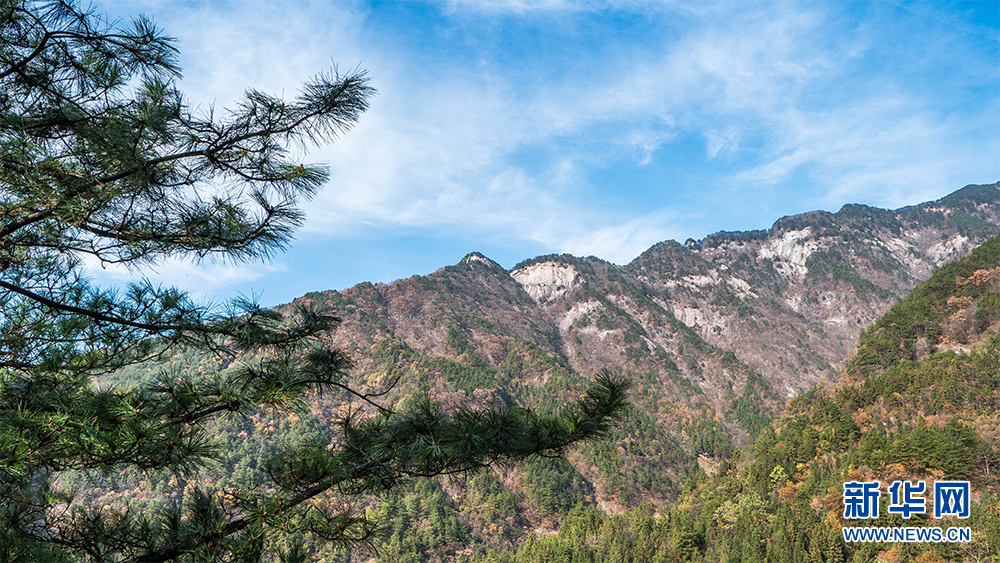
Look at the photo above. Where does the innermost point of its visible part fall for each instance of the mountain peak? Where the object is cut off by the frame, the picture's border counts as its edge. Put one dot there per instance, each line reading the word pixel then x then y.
pixel 474 258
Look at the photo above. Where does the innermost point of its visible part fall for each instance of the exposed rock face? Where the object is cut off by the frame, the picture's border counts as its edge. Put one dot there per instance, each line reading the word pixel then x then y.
pixel 546 281
pixel 790 251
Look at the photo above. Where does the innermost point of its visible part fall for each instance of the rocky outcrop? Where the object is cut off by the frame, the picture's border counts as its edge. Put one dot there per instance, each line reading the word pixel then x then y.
pixel 546 281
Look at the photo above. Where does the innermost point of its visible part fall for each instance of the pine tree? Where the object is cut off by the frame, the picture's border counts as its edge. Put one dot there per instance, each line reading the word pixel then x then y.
pixel 101 160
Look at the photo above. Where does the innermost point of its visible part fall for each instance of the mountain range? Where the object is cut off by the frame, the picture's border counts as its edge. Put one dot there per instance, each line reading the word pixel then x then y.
pixel 743 352
pixel 721 332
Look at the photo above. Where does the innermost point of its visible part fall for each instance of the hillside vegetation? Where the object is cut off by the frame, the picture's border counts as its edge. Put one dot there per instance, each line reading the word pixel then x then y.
pixel 919 401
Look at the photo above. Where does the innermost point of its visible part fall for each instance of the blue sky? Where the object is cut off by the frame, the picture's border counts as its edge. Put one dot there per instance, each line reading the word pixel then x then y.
pixel 519 128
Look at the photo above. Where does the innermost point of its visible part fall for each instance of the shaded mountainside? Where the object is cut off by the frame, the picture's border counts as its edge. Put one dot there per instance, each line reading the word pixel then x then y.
pixel 919 401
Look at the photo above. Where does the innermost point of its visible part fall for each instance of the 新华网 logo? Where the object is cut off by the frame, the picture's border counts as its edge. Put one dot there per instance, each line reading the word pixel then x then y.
pixel 906 498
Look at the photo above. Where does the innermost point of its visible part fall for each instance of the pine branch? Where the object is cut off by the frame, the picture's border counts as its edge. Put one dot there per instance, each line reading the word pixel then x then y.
pixel 100 317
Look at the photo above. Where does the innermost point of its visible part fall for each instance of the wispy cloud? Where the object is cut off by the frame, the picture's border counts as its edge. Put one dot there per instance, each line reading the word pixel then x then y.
pixel 521 120
pixel 754 81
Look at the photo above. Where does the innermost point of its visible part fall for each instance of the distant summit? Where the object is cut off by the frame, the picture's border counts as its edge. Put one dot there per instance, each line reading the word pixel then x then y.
pixel 478 258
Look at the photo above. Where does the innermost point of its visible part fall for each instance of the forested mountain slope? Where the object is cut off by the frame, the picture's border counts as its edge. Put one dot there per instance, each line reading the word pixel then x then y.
pixel 919 401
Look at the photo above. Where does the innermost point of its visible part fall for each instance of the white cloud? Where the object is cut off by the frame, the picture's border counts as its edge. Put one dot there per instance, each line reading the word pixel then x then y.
pixel 774 90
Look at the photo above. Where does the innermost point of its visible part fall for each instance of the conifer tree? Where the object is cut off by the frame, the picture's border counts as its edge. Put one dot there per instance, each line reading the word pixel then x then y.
pixel 101 160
